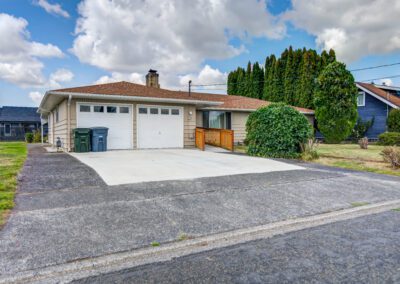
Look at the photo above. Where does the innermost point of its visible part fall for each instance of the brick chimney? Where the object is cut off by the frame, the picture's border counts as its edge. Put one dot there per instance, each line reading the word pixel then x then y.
pixel 152 79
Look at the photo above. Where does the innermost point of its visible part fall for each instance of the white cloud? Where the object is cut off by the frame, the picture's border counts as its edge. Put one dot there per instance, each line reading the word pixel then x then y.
pixel 387 82
pixel 36 97
pixel 54 9
pixel 19 63
pixel 174 37
pixel 60 76
pixel 207 75
pixel 353 28
pixel 116 77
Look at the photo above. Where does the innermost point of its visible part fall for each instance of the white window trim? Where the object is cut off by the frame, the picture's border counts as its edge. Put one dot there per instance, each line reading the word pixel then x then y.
pixel 363 101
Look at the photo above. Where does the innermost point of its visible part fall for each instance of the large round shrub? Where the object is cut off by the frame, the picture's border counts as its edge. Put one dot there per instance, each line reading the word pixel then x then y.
pixel 277 131
pixel 393 121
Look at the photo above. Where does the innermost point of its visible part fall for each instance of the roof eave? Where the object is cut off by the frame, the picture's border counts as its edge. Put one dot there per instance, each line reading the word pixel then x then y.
pixel 132 98
pixel 246 109
pixel 377 96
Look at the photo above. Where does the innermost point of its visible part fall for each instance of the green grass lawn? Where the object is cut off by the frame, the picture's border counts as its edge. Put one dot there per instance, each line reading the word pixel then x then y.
pixel 350 156
pixel 12 157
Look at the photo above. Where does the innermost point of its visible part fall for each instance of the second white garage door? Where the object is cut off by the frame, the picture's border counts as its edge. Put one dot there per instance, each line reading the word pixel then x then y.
pixel 159 127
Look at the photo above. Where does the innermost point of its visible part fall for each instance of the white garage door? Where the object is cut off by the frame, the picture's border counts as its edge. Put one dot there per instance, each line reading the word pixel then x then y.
pixel 117 118
pixel 159 127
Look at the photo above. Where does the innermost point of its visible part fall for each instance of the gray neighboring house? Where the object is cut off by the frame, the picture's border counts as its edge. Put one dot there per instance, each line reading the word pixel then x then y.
pixel 16 121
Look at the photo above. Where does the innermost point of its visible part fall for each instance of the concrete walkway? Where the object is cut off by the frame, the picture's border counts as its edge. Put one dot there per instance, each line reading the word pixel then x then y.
pixel 133 166
pixel 65 212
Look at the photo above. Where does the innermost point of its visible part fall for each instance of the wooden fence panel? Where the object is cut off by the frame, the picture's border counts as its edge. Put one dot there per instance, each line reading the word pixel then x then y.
pixel 200 138
pixel 213 136
pixel 227 139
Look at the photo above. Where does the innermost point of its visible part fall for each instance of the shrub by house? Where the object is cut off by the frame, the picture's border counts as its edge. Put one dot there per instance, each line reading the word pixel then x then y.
pixel 277 131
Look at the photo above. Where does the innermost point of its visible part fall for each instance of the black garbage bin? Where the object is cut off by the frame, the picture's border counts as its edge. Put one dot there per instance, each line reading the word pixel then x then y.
pixel 82 140
pixel 98 137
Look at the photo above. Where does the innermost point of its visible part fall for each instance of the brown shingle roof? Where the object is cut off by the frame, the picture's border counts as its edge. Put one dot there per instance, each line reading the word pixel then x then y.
pixel 381 93
pixel 130 89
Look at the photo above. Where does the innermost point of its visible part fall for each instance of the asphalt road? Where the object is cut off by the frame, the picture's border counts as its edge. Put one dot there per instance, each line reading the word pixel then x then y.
pixel 361 250
pixel 65 212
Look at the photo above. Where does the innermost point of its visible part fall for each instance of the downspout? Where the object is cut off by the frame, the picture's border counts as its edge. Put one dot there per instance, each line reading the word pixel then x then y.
pixel 69 122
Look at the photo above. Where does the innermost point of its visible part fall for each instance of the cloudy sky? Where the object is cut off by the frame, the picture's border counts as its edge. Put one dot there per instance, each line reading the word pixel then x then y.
pixel 49 44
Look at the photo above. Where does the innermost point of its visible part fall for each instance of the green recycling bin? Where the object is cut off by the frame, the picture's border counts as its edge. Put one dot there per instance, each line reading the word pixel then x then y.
pixel 82 140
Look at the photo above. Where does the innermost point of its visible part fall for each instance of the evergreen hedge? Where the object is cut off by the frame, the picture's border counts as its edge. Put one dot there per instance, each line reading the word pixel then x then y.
pixel 277 131
pixel 390 139
pixel 393 121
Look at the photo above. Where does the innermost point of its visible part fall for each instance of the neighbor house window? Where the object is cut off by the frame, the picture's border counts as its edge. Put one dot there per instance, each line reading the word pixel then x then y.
pixel 98 108
pixel 217 119
pixel 7 129
pixel 123 109
pixel 361 99
pixel 111 109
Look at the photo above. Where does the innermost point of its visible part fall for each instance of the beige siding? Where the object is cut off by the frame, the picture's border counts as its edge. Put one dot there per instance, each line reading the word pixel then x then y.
pixel 239 125
pixel 59 128
pixel 189 119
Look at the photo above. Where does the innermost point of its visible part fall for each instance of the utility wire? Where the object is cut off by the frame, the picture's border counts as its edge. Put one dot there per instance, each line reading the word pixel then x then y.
pixel 374 67
pixel 387 77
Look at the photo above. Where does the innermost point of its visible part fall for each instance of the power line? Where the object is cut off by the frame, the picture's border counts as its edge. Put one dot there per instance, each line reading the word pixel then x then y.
pixel 387 77
pixel 375 67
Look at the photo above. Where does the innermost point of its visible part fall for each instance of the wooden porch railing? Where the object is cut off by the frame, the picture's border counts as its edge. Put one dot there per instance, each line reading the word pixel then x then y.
pixel 223 138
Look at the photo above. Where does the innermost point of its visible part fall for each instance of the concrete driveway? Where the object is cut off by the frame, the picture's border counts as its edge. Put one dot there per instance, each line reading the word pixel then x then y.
pixel 133 166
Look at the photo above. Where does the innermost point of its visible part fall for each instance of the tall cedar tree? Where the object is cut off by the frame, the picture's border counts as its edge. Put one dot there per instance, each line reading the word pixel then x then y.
pixel 336 102
pixel 290 78
pixel 269 65
pixel 258 81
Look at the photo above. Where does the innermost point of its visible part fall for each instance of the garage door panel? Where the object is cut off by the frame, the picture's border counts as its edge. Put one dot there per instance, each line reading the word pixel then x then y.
pixel 120 125
pixel 160 127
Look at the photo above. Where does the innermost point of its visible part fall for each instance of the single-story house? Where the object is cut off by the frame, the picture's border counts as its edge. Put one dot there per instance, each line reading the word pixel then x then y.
pixel 16 121
pixel 375 102
pixel 145 116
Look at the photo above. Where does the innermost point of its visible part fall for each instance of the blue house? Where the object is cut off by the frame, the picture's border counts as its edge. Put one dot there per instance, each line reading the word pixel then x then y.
pixel 16 121
pixel 375 102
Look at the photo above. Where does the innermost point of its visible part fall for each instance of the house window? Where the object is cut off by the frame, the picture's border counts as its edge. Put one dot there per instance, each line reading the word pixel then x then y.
pixel 57 116
pixel 84 108
pixel 7 129
pixel 143 110
pixel 361 99
pixel 98 108
pixel 217 119
pixel 165 111
pixel 154 111
pixel 123 109
pixel 111 109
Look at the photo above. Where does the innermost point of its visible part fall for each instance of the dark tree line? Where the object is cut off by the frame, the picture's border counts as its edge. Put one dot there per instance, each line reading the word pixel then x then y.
pixel 291 78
